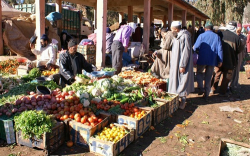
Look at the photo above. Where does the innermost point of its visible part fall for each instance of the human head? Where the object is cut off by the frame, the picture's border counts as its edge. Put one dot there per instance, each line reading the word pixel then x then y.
pixel 44 40
pixel 108 30
pixel 232 26
pixel 138 25
pixel 163 32
pixel 176 26
pixel 72 46
pixel 209 25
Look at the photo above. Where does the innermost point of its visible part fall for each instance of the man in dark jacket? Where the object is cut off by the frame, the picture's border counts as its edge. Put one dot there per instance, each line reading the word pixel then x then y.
pixel 231 48
pixel 72 63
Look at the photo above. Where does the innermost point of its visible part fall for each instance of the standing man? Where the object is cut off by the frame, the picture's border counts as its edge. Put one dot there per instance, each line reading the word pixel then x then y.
pixel 235 80
pixel 152 36
pixel 210 55
pixel 231 48
pixel 120 45
pixel 138 33
pixel 181 77
pixel 47 53
pixel 72 63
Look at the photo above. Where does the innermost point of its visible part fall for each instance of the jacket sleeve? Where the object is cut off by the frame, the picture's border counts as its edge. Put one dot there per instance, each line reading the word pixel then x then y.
pixel 85 65
pixel 52 54
pixel 186 51
pixel 238 45
pixel 220 50
pixel 197 43
pixel 36 52
pixel 167 45
pixel 64 68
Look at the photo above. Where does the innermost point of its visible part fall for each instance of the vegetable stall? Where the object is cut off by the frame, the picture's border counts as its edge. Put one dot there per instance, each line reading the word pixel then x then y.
pixel 99 111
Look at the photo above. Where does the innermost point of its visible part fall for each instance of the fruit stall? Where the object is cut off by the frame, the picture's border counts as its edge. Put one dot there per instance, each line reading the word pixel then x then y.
pixel 102 112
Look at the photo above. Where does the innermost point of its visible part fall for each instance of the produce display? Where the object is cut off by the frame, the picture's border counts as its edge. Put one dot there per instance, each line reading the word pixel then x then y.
pixel 235 150
pixel 109 69
pixel 141 78
pixel 9 66
pixel 112 133
pixel 50 72
pixel 33 73
pixel 8 82
pixel 33 123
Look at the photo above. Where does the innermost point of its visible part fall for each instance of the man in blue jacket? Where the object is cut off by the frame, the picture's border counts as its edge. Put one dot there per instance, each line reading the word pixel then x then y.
pixel 210 55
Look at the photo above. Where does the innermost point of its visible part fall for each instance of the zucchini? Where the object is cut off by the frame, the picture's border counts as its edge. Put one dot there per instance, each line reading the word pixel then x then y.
pixel 124 100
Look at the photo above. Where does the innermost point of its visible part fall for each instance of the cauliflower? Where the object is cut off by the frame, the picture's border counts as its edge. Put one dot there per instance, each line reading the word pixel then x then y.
pixel 86 103
pixel 103 84
pixel 106 94
pixel 97 99
pixel 117 78
pixel 96 92
pixel 84 95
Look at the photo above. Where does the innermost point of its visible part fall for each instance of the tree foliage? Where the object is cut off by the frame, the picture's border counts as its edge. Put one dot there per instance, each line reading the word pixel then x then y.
pixel 222 11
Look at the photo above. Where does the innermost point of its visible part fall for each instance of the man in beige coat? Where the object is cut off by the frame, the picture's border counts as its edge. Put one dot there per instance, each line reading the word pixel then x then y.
pixel 161 65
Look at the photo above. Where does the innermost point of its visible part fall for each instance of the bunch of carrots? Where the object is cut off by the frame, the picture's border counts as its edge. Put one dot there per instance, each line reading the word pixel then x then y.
pixel 9 66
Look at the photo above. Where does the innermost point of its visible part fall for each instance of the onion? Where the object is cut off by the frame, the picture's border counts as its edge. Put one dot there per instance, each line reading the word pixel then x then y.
pixel 32 93
pixel 53 106
pixel 18 102
pixel 33 103
pixel 62 105
pixel 49 106
pixel 27 101
pixel 58 105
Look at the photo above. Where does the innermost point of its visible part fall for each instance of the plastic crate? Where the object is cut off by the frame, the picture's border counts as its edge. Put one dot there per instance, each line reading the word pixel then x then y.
pixel 7 131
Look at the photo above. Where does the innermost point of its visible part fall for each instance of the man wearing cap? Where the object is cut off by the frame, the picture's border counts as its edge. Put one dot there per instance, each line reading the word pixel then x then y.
pixel 161 65
pixel 181 77
pixel 210 55
pixel 72 63
pixel 47 52
pixel 120 44
pixel 231 48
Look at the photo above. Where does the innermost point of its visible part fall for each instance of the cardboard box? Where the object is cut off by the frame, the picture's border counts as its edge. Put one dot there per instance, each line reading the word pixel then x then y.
pixel 140 126
pixel 224 142
pixel 108 148
pixel 80 133
pixel 173 103
pixel 49 141
pixel 86 49
pixel 90 59
pixel 160 113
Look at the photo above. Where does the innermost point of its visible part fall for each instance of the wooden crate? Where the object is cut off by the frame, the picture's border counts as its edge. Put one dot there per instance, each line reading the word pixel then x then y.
pixel 86 49
pixel 22 70
pixel 140 126
pixel 160 113
pixel 49 141
pixel 80 133
pixel 223 144
pixel 173 104
pixel 7 131
pixel 108 148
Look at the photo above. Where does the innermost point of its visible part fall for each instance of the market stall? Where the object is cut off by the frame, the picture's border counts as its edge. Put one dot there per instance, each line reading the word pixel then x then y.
pixel 98 109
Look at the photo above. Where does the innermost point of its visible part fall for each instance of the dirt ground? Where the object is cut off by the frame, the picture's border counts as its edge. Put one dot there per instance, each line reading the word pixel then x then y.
pixel 195 131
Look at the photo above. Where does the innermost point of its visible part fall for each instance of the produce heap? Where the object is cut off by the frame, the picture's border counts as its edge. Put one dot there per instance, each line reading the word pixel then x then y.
pixel 9 66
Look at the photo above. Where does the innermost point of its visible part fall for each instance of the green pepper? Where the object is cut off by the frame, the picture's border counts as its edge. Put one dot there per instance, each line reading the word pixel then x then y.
pixel 111 98
pixel 124 100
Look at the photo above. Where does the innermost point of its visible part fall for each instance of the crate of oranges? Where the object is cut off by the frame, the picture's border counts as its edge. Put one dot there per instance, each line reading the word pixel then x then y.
pixel 50 72
pixel 139 119
pixel 112 140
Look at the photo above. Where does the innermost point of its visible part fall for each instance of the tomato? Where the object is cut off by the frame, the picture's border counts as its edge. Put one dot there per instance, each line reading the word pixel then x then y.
pixel 71 92
pixel 94 118
pixel 76 108
pixel 71 116
pixel 77 115
pixel 98 106
pixel 66 113
pixel 92 124
pixel 99 120
pixel 80 106
pixel 90 119
pixel 126 107
pixel 78 119
pixel 61 118
pixel 72 109
pixel 122 106
pixel 132 104
pixel 66 117
pixel 105 100
pixel 87 123
pixel 69 143
pixel 83 120
pixel 82 112
pixel 136 110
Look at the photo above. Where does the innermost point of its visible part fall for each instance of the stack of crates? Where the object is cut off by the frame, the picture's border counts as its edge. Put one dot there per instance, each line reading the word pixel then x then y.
pixel 89 52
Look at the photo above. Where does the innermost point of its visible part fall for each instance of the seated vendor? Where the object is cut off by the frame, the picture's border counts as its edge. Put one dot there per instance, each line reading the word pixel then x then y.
pixel 47 53
pixel 127 59
pixel 72 63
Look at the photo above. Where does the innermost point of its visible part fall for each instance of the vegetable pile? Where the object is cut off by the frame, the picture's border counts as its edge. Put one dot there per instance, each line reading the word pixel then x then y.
pixel 34 73
pixel 33 124
pixel 9 66
pixel 109 69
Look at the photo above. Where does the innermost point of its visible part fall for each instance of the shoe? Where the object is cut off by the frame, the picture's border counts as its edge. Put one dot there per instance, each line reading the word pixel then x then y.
pixel 213 92
pixel 200 92
pixel 223 95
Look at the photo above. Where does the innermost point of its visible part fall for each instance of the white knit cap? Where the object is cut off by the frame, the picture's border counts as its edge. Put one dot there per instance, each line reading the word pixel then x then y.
pixel 175 23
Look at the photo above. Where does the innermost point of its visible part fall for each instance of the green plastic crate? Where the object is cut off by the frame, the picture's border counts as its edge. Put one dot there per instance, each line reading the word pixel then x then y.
pixel 7 131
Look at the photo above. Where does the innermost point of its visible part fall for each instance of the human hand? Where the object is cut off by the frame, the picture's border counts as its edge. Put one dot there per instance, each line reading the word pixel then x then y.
pixel 182 70
pixel 32 46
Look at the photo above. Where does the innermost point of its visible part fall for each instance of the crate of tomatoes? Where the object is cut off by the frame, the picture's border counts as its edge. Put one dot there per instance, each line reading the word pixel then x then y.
pixel 138 118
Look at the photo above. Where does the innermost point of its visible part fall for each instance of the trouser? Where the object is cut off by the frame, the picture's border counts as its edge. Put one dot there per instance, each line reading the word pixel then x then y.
pixel 117 51
pixel 208 76
pixel 151 41
pixel 227 76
